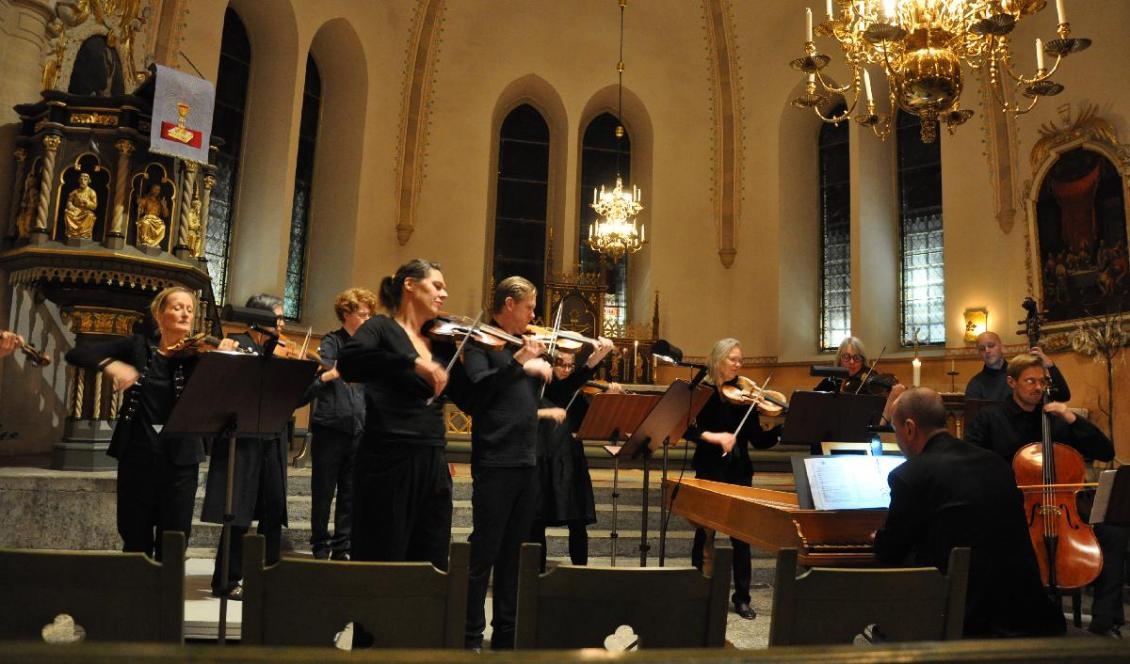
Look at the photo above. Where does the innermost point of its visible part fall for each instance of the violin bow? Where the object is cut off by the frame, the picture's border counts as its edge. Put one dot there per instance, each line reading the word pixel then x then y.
pixel 305 343
pixel 870 370
pixel 752 406
pixel 458 350
pixel 553 342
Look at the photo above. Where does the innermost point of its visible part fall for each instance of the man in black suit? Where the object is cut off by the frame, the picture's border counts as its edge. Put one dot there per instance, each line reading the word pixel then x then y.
pixel 949 493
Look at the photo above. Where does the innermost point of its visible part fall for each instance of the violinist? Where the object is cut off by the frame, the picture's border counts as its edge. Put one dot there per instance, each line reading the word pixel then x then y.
pixel 563 471
pixel 157 476
pixel 1007 426
pixel 9 342
pixel 991 383
pixel 259 485
pixel 722 454
pixel 852 357
pixel 402 487
pixel 336 422
pixel 949 494
pixel 502 396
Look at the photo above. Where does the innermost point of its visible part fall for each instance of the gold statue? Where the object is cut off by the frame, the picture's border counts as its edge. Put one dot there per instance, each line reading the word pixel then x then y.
pixel 81 206
pixel 151 211
pixel 29 204
pixel 192 228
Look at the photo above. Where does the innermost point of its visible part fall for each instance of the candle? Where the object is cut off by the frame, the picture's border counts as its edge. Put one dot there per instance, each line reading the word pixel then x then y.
pixel 807 24
pixel 635 358
pixel 828 9
pixel 1039 54
pixel 1061 11
pixel 889 10
pixel 953 366
pixel 867 85
pixel 643 234
pixel 917 365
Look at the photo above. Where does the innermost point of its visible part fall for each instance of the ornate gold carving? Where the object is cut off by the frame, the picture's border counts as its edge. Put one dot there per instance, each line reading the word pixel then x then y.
pixel 124 147
pixel 193 234
pixel 52 142
pixel 456 421
pixel 101 320
pixel 93 119
pixel 152 210
pixel 81 206
pixel 58 273
pixel 121 21
pixel 1088 125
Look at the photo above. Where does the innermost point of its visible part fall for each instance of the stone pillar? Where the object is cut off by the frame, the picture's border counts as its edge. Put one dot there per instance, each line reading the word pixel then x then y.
pixel 93 405
pixel 116 237
pixel 39 227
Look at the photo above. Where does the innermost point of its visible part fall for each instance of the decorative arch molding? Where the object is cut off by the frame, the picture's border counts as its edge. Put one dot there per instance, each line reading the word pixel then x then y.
pixel 419 74
pixel 538 93
pixel 1089 131
pixel 726 106
pixel 338 51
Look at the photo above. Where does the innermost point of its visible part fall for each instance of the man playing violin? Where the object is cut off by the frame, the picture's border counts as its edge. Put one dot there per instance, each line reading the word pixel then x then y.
pixel 1007 426
pixel 157 475
pixel 721 454
pixel 259 485
pixel 949 494
pixel 991 383
pixel 500 390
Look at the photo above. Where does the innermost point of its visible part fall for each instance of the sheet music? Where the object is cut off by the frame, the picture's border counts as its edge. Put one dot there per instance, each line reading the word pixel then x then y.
pixel 1102 496
pixel 850 482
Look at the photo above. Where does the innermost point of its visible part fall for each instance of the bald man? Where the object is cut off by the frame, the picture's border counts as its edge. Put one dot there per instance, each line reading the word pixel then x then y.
pixel 991 383
pixel 949 493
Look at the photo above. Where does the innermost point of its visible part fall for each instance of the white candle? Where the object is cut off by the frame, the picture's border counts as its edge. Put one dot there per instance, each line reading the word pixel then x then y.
pixel 1039 54
pixel 889 10
pixel 867 85
pixel 953 366
pixel 828 8
pixel 807 24
pixel 643 234
pixel 1061 11
pixel 635 358
pixel 917 366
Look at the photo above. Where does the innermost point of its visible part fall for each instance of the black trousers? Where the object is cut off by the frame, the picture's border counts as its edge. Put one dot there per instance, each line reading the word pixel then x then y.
pixel 402 504
pixel 332 457
pixel 270 508
pixel 154 495
pixel 1107 610
pixel 503 505
pixel 578 542
pixel 734 472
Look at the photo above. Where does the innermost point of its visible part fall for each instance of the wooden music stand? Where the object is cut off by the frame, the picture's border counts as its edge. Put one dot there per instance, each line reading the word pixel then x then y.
pixel 610 417
pixel 666 421
pixel 237 395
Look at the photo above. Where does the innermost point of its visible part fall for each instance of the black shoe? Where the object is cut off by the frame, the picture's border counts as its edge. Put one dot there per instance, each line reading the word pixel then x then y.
pixel 744 610
pixel 234 594
pixel 340 555
pixel 322 554
pixel 1109 632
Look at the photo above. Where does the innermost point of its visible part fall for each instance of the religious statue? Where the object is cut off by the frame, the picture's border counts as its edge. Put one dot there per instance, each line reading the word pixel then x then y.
pixel 29 204
pixel 151 211
pixel 192 228
pixel 81 206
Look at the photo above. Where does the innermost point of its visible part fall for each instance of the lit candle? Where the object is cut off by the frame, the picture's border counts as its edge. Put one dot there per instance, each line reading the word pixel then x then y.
pixel 643 234
pixel 635 358
pixel 1039 54
pixel 1061 11
pixel 889 10
pixel 917 365
pixel 807 24
pixel 953 366
pixel 867 85
pixel 828 7
pixel 594 195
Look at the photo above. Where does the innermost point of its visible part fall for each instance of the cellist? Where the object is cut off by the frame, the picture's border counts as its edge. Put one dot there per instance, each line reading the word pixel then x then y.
pixel 1006 427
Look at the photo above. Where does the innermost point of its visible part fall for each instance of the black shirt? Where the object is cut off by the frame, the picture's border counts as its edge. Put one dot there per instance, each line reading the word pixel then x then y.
pixel 992 385
pixel 1006 427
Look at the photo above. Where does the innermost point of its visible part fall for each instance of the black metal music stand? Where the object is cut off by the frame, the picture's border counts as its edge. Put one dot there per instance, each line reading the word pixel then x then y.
pixel 237 395
pixel 816 417
pixel 666 421
pixel 1118 503
pixel 609 417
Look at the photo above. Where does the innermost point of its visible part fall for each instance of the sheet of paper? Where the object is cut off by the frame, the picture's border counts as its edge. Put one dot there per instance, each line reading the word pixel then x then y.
pixel 1102 496
pixel 843 482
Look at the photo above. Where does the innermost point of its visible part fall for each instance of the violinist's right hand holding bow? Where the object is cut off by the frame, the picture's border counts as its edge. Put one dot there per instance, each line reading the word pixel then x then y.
pixel 123 374
pixel 530 357
pixel 724 439
pixel 433 373
pixel 9 342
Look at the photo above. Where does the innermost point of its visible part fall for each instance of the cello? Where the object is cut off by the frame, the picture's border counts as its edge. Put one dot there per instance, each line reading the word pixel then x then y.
pixel 1050 474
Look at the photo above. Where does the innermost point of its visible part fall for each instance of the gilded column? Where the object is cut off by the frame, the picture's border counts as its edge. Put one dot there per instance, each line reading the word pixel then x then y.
pixel 205 202
pixel 17 193
pixel 116 238
pixel 39 231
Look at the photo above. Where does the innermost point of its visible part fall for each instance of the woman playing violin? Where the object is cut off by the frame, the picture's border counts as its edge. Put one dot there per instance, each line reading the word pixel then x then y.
pixel 722 454
pixel 563 472
pixel 157 476
pixel 853 357
pixel 402 487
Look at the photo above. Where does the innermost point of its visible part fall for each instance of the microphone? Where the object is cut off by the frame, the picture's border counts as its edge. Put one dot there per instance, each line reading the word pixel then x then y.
pixel 672 355
pixel 881 428
pixel 829 372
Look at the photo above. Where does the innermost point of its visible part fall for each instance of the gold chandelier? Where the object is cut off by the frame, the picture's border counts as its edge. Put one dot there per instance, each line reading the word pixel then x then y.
pixel 920 45
pixel 616 231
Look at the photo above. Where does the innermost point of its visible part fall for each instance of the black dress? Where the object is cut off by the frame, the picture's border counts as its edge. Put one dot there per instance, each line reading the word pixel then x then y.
pixel 563 470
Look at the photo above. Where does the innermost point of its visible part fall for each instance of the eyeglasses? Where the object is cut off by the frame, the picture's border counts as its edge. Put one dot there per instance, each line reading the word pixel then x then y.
pixel 851 357
pixel 1029 382
pixel 565 366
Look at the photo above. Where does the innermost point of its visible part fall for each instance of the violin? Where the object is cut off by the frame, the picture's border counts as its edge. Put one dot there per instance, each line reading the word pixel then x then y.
pixel 196 344
pixel 568 341
pixel 33 355
pixel 878 383
pixel 769 402
pixel 453 328
pixel 1050 475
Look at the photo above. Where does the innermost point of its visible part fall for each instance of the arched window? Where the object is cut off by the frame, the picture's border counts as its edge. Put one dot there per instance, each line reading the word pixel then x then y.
pixel 835 235
pixel 227 124
pixel 922 296
pixel 303 180
pixel 602 157
pixel 520 208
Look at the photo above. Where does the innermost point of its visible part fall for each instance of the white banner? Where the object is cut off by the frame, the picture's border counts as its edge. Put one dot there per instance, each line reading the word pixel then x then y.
pixel 182 115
